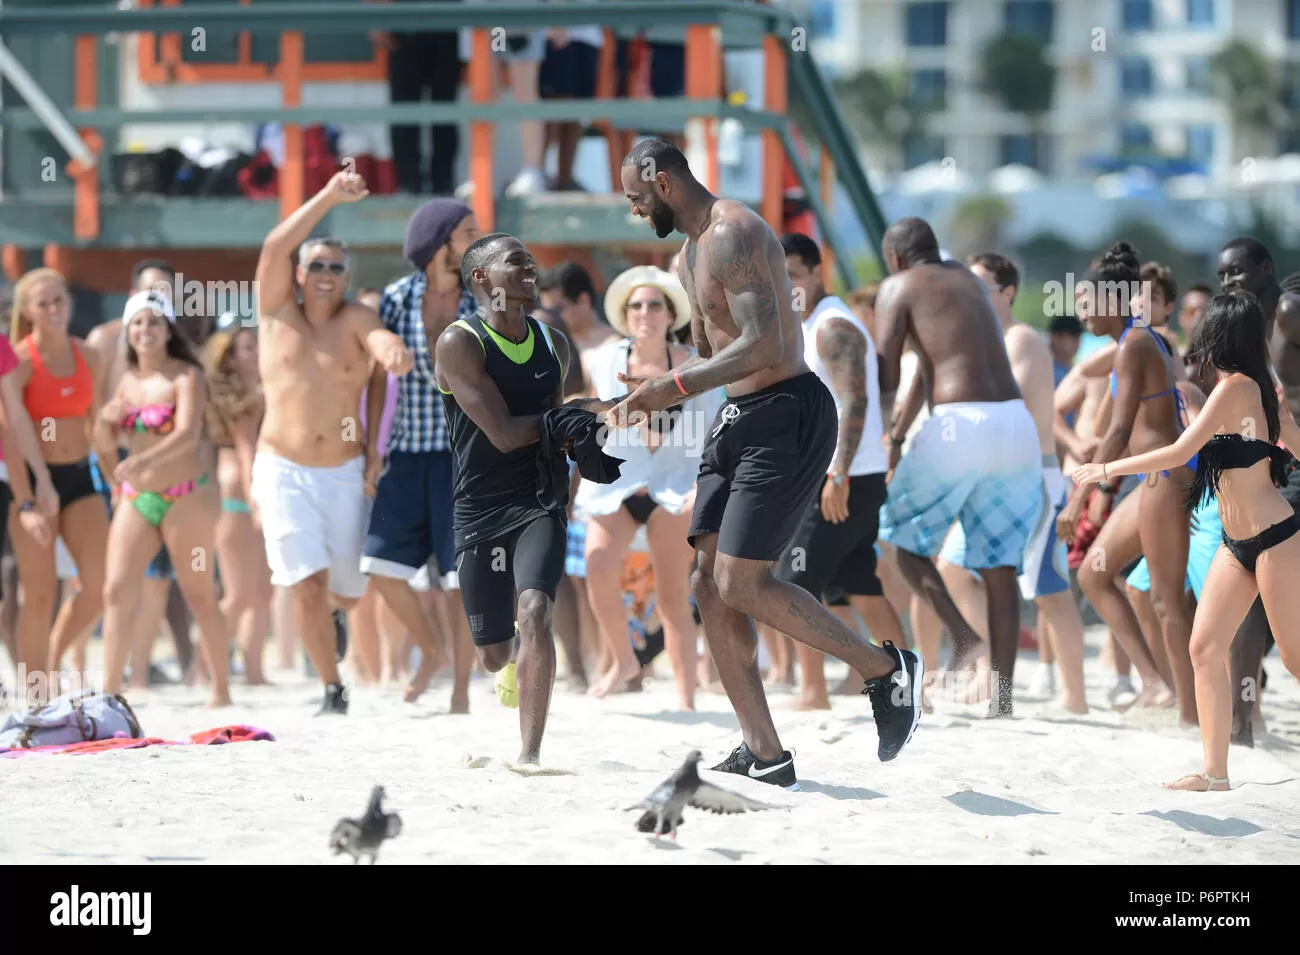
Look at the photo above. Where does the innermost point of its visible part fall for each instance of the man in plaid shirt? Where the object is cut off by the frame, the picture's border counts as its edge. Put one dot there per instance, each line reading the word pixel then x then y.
pixel 411 519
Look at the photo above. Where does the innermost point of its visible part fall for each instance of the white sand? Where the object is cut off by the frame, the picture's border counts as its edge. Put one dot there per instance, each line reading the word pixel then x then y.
pixel 1033 789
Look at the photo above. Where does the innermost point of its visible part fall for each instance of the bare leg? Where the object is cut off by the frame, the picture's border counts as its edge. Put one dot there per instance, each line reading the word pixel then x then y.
pixel 608 538
pixel 1145 611
pixel 924 579
pixel 670 556
pixel 463 654
pixel 778 651
pixel 882 625
pixel 750 587
pixel 1228 593
pixel 84 528
pixel 1165 536
pixel 314 625
pixel 363 630
pixel 1004 631
pixel 968 594
pixel 178 621
pixel 401 598
pixel 568 628
pixel 1245 656
pixel 40 587
pixel 733 644
pixel 132 544
pixel 927 629
pixel 1060 617
pixel 1116 546
pixel 189 528
pixel 286 632
pixel 1276 574
pixel 532 133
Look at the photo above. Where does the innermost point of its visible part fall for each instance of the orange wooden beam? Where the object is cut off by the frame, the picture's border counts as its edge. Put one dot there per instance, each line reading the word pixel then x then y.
pixel 482 90
pixel 704 81
pixel 292 173
pixel 607 88
pixel 828 192
pixel 775 100
pixel 85 216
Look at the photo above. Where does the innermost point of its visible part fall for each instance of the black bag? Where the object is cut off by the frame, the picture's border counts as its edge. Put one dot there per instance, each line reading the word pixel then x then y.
pixel 146 174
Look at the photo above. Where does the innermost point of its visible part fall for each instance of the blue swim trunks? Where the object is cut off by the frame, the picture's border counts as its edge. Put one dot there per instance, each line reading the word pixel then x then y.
pixel 973 462
pixel 1207 536
pixel 1046 568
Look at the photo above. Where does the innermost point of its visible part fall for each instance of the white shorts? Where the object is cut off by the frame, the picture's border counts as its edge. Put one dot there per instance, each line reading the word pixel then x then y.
pixel 313 519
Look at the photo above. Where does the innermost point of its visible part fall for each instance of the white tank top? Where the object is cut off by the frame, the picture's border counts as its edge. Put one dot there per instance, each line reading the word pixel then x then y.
pixel 870 457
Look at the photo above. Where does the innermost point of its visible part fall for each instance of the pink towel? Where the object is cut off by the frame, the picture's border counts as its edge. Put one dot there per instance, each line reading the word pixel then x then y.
pixel 221 734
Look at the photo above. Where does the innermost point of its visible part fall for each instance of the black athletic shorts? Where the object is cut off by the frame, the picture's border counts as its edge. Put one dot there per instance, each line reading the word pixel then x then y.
pixel 493 573
pixel 835 560
pixel 762 465
pixel 72 482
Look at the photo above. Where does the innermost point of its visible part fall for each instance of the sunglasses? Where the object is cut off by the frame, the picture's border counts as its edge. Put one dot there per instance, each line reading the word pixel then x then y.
pixel 333 268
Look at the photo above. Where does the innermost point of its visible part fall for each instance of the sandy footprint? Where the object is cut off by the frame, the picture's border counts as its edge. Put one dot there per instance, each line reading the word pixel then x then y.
pixel 530 770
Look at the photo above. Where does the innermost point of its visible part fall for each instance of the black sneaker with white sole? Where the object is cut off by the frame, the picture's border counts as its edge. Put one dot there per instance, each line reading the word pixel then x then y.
pixel 896 701
pixel 336 701
pixel 777 772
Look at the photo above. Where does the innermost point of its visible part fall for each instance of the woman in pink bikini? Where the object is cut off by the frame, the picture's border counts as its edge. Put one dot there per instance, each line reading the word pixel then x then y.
pixel 165 495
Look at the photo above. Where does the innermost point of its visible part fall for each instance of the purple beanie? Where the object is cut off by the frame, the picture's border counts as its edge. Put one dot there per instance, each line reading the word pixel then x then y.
pixel 430 228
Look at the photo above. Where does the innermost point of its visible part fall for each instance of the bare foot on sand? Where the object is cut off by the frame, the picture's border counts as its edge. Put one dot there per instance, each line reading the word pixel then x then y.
pixel 420 681
pixel 459 705
pixel 1199 783
pixel 804 704
pixel 851 685
pixel 577 683
pixel 967 659
pixel 615 680
pixel 219 701
pixel 1077 707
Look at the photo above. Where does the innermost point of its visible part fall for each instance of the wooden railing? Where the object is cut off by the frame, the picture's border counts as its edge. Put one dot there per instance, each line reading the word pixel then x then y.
pixel 709 29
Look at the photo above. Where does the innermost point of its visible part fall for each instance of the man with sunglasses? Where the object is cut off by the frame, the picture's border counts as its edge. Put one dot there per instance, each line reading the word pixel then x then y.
pixel 315 351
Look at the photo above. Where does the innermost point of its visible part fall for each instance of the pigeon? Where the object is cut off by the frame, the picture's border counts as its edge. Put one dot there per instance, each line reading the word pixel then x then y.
pixel 662 809
pixel 358 837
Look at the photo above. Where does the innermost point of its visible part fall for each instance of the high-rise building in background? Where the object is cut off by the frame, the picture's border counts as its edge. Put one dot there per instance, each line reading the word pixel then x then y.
pixel 1134 79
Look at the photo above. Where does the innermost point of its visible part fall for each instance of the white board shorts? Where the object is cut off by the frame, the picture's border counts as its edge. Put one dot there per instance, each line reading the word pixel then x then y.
pixel 313 519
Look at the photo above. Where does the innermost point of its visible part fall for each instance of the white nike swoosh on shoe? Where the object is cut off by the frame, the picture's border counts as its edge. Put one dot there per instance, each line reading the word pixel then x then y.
pixel 756 773
pixel 540 376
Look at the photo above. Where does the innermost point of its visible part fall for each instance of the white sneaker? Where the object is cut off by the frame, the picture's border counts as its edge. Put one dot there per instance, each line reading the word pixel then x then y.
pixel 1122 691
pixel 528 182
pixel 1044 682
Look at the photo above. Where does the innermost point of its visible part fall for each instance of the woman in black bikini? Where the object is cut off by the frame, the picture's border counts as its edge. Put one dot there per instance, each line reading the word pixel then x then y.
pixel 1239 462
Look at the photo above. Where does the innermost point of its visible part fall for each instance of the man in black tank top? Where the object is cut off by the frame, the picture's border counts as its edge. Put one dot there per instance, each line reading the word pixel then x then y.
pixel 497 372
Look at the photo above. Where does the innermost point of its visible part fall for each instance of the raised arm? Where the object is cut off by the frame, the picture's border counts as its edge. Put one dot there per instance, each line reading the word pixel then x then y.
pixel 843 349
pixel 275 283
pixel 751 291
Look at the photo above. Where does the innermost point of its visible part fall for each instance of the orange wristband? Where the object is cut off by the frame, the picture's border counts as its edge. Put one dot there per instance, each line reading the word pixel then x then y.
pixel 678 378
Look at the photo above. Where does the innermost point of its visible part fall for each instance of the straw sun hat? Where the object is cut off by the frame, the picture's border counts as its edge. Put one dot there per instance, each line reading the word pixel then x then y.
pixel 621 289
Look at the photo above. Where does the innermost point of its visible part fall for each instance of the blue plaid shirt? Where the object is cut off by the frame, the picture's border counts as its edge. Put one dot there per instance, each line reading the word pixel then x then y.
pixel 419 423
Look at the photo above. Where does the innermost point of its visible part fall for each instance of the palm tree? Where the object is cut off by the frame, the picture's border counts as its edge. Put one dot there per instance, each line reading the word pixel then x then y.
pixel 880 109
pixel 1015 69
pixel 1244 80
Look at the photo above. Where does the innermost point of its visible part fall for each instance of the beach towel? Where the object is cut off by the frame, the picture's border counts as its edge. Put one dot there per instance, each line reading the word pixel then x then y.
pixel 212 737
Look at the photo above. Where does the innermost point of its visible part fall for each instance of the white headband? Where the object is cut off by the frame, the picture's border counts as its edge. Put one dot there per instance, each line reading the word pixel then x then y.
pixel 149 299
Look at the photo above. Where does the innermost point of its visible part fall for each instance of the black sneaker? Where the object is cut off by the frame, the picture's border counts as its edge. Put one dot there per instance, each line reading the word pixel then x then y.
pixel 340 635
pixel 896 701
pixel 336 701
pixel 778 772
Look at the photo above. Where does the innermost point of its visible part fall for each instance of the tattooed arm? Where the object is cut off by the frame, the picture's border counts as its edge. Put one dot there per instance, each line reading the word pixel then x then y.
pixel 844 352
pixel 751 291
